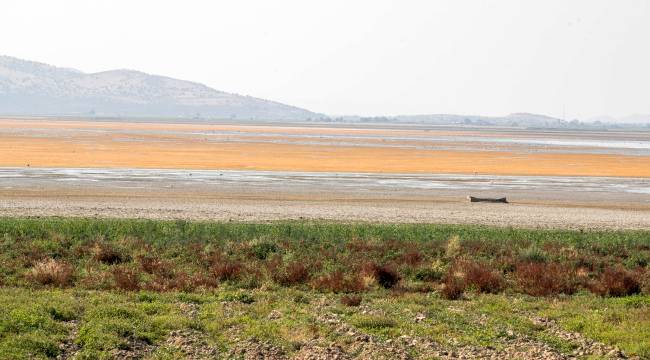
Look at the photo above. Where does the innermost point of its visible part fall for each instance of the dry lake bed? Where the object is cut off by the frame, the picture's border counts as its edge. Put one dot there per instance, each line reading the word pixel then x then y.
pixel 258 172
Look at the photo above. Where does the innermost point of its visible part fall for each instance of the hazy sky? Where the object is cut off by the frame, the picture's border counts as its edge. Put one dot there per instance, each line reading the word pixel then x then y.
pixel 590 57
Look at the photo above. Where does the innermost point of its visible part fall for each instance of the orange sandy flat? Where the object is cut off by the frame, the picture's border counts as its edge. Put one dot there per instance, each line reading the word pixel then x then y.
pixel 35 143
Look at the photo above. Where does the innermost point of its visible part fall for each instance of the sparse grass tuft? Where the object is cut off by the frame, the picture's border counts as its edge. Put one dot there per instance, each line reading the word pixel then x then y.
pixel 51 272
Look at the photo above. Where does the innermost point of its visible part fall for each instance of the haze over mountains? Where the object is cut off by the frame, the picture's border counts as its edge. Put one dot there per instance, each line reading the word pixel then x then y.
pixel 30 88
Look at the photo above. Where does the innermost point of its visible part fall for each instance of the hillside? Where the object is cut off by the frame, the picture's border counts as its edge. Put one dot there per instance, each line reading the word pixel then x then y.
pixel 31 88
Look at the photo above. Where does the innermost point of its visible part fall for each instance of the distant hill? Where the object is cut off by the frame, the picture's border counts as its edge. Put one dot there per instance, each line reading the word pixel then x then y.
pixel 524 120
pixel 31 88
pixel 517 119
pixel 631 119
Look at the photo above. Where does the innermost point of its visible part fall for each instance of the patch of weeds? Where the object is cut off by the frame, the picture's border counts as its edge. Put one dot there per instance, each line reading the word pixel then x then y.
pixel 242 297
pixel 191 298
pixel 301 298
pixel 533 254
pixel 263 249
pixel 61 312
pixel 147 297
pixel 429 274
pixel 637 260
pixel 370 323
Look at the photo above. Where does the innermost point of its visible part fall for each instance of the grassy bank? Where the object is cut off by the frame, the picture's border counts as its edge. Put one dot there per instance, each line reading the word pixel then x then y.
pixel 159 289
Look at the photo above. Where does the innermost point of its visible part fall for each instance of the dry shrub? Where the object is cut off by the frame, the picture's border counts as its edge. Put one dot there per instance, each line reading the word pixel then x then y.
pixel 107 254
pixel 294 273
pixel 453 287
pixel 155 266
pixel 412 258
pixel 616 282
pixel 481 278
pixel 51 272
pixel 126 278
pixel 228 270
pixel 351 300
pixel 385 275
pixel 542 279
pixel 338 282
pixel 201 281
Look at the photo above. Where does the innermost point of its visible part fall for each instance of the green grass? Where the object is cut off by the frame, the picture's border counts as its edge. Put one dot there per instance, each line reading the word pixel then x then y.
pixel 31 328
pixel 158 232
pixel 620 321
pixel 238 278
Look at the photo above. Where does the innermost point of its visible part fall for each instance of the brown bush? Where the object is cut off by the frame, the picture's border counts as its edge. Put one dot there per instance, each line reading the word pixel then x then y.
pixel 351 300
pixel 386 275
pixel 338 282
pixel 616 282
pixel 412 258
pixel 294 273
pixel 126 278
pixel 155 266
pixel 107 254
pixel 228 270
pixel 481 277
pixel 542 279
pixel 453 287
pixel 51 272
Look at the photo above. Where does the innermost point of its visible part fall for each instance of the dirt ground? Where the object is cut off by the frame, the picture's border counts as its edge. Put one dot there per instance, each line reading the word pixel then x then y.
pixel 249 208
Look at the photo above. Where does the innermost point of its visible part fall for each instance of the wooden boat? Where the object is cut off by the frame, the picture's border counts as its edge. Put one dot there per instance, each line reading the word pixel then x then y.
pixel 489 200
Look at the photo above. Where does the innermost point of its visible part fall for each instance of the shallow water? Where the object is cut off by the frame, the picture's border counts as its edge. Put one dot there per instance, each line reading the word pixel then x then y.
pixel 152 178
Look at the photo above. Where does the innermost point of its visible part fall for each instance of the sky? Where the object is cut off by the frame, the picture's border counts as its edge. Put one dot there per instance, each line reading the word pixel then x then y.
pixel 569 59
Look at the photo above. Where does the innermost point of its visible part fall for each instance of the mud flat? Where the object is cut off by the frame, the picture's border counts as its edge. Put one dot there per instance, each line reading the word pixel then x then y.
pixel 259 172
pixel 546 202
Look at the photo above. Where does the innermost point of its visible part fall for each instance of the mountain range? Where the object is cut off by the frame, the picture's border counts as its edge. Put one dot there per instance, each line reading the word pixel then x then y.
pixel 32 88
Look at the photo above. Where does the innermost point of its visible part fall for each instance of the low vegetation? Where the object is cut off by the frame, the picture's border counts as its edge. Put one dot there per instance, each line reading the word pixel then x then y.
pixel 120 284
